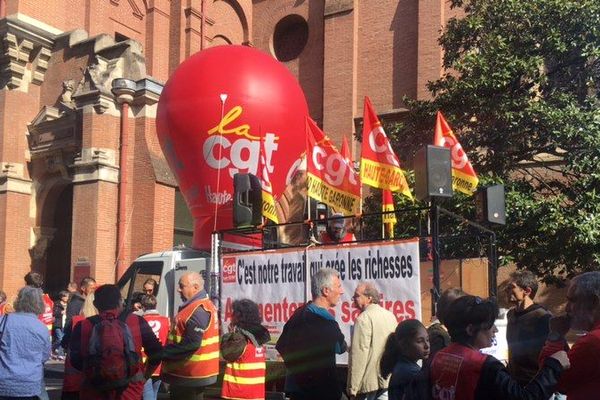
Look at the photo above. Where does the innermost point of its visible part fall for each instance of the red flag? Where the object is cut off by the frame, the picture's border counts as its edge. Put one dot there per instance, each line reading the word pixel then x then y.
pixel 346 151
pixel 330 179
pixel 379 165
pixel 464 178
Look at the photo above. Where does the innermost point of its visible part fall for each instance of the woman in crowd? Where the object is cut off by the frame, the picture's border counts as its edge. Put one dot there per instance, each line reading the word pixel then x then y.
pixel 243 349
pixel 404 348
pixel 461 371
pixel 24 347
pixel 73 378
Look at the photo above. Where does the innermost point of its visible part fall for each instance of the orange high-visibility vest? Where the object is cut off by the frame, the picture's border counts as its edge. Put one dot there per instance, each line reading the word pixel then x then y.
pixel 245 378
pixel 160 327
pixel 204 363
pixel 46 317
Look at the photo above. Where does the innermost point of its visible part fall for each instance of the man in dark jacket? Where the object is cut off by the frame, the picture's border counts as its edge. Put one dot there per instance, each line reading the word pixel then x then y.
pixel 527 327
pixel 87 286
pixel 310 341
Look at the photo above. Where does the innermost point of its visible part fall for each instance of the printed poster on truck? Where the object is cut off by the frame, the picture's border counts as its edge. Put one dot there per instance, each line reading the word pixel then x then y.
pixel 279 281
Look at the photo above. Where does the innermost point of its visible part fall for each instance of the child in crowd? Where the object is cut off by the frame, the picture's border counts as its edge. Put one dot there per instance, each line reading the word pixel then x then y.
pixel 404 348
pixel 59 314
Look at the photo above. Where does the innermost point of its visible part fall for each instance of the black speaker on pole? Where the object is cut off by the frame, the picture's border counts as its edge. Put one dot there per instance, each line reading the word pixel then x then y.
pixel 433 172
pixel 489 205
pixel 247 200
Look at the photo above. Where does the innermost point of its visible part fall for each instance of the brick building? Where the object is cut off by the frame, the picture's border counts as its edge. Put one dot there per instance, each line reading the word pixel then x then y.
pixel 63 123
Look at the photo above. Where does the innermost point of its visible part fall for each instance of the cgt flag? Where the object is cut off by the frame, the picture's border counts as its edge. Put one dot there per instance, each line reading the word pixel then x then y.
pixel 389 220
pixel 464 178
pixel 268 210
pixel 379 166
pixel 330 179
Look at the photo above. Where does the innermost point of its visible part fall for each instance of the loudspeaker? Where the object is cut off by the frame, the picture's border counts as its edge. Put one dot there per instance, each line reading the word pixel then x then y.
pixel 247 200
pixel 489 205
pixel 433 172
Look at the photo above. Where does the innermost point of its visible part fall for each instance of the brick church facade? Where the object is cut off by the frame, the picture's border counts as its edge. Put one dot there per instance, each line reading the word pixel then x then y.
pixel 84 187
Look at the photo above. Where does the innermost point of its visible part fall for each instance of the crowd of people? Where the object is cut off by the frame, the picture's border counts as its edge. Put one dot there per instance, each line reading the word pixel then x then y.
pixel 116 353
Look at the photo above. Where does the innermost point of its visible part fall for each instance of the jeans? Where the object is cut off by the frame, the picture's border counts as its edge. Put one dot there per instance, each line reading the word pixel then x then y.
pixel 57 335
pixel 151 389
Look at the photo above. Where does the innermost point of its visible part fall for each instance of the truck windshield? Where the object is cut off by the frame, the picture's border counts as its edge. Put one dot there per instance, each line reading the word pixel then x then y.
pixel 142 277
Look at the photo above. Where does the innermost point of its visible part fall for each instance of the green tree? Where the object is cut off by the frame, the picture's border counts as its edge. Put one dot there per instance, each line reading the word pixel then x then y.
pixel 522 95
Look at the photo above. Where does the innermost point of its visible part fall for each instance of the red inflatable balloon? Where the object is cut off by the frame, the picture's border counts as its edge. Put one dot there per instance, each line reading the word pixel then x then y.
pixel 212 115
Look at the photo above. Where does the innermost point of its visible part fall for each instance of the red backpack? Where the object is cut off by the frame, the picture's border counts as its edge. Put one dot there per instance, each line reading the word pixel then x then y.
pixel 111 361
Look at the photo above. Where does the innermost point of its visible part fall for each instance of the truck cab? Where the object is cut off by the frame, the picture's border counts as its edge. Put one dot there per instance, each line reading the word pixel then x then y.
pixel 165 268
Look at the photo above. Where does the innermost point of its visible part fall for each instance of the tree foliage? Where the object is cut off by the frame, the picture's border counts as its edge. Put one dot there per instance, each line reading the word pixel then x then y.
pixel 522 95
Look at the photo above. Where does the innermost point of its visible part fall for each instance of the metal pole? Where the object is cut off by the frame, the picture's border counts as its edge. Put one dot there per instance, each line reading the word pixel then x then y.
pixel 492 267
pixel 434 220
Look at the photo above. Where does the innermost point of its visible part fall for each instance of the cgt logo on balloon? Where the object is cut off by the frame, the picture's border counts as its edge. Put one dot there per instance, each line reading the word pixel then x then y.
pixel 235 148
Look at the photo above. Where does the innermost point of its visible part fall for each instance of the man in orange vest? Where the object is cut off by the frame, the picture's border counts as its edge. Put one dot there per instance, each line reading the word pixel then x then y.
pixel 191 356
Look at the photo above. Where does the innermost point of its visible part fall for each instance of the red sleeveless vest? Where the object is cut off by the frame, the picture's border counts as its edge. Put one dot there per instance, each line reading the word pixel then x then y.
pixel 245 378
pixel 455 372
pixel 46 317
pixel 160 327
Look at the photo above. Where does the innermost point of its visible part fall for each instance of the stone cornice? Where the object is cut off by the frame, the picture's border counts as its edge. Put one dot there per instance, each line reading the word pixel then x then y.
pixel 12 178
pixel 96 164
pixel 26 44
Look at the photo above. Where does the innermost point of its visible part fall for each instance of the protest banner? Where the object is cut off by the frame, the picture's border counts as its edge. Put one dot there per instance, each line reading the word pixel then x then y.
pixel 279 281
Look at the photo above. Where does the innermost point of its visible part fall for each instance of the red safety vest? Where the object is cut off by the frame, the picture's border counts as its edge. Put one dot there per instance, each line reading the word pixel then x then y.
pixel 326 239
pixel 73 378
pixel 455 372
pixel 160 327
pixel 204 363
pixel 46 317
pixel 245 378
pixel 136 386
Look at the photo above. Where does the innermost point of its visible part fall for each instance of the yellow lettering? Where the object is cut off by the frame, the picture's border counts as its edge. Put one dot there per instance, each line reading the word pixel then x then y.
pixel 232 115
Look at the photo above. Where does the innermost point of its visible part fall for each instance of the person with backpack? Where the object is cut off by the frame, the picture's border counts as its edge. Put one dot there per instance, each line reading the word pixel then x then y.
pixel 107 348
pixel 461 371
pixel 408 344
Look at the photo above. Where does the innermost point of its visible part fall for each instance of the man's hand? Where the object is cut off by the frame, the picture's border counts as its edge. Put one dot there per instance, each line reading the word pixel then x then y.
pixel 560 325
pixel 562 358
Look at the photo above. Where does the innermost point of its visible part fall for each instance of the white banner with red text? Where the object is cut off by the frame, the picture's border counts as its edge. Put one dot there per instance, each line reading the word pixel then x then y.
pixel 279 281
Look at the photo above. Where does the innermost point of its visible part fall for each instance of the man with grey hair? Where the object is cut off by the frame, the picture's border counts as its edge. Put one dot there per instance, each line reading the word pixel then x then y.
pixel 311 339
pixel 24 347
pixel 371 330
pixel 582 380
pixel 191 356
